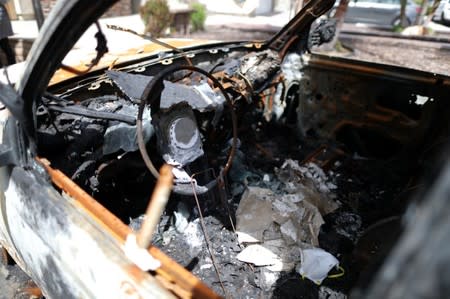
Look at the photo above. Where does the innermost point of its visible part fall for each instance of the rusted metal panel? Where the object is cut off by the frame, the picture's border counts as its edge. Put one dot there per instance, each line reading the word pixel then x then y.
pixel 176 277
pixel 337 93
pixel 110 59
pixel 334 64
pixel 67 253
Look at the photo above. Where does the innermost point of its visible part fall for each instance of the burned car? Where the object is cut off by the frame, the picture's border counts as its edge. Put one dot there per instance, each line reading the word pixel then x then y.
pixel 291 172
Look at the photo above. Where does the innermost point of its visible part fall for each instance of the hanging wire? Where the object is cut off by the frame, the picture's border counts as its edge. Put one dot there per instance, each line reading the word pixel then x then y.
pixel 208 243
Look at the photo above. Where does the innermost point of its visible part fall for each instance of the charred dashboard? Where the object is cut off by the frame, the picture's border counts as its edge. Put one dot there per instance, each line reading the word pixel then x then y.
pixel 236 117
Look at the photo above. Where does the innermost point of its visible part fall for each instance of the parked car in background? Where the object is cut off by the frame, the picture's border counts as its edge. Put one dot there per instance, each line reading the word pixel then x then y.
pixel 384 13
pixel 442 13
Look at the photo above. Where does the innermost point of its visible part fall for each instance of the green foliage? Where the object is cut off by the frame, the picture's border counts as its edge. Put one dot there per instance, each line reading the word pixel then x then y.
pixel 338 46
pixel 156 17
pixel 397 28
pixel 198 17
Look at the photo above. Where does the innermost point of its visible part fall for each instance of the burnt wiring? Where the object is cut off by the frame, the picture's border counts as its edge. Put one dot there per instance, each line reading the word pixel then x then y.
pixel 150 96
pixel 207 241
pixel 220 182
pixel 247 82
pixel 52 119
pixel 81 111
pixel 221 63
pixel 89 113
pixel 102 49
pixel 273 81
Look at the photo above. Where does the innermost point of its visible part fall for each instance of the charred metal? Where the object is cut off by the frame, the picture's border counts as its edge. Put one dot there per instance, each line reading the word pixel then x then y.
pixel 334 113
pixel 280 160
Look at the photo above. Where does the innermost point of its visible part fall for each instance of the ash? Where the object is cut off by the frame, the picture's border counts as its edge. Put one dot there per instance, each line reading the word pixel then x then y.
pixel 350 196
pixel 180 235
pixel 187 246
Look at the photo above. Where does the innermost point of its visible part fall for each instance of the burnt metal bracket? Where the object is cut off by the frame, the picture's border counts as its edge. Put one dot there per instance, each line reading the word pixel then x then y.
pixel 322 33
pixel 298 28
pixel 12 149
pixel 12 101
pixel 7 156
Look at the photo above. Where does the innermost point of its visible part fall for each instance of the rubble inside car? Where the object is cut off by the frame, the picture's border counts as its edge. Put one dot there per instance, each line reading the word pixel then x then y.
pixel 284 223
pixel 272 230
pixel 282 173
pixel 304 182
pixel 278 221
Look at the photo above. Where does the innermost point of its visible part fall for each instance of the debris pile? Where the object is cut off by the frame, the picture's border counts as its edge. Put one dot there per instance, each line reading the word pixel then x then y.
pixel 277 231
pixel 281 229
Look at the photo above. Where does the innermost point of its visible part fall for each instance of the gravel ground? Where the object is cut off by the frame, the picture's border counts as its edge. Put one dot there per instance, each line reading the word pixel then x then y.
pixel 421 55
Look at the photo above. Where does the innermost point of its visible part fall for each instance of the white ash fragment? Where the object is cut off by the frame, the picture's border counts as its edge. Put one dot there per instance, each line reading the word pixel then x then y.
pixel 279 267
pixel 290 255
pixel 181 217
pixel 310 183
pixel 309 223
pixel 327 293
pixel 181 222
pixel 258 256
pixel 193 235
pixel 254 214
pixel 290 187
pixel 136 223
pixel 289 232
pixel 295 198
pixel 167 236
pixel 275 245
pixel 268 279
pixel 272 233
pixel 310 171
pixel 322 201
pixel 331 186
pixel 206 266
pixel 283 208
pixel 260 208
pixel 284 224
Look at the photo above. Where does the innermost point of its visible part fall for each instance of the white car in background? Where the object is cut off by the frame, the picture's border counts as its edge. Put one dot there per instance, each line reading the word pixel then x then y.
pixel 442 13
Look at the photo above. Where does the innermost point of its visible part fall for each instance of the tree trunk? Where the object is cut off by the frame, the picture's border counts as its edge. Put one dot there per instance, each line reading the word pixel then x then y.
pixel 403 22
pixel 423 11
pixel 340 12
pixel 435 6
pixel 38 13
pixel 339 15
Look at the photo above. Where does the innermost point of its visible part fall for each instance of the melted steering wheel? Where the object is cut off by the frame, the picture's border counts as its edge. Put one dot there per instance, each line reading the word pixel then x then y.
pixel 182 128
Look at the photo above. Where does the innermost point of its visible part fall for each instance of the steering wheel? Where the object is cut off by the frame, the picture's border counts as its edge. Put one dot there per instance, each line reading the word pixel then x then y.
pixel 181 132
